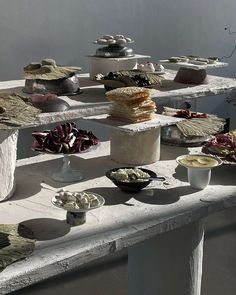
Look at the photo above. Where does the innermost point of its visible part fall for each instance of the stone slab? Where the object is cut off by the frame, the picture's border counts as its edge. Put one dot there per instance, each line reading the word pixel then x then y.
pixel 190 65
pixel 156 122
pixel 92 100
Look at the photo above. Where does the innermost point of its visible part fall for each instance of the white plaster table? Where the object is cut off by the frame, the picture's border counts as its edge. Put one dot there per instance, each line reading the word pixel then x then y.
pixel 161 226
pixel 93 101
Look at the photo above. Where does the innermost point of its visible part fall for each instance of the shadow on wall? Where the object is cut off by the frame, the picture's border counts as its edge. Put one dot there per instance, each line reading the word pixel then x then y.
pixel 25 137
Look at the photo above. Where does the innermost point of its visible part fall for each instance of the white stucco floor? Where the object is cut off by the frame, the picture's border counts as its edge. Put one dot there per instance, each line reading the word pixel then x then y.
pixel 109 277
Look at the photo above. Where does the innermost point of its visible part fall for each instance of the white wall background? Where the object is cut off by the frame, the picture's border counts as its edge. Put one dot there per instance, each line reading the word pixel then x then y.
pixel 34 29
pixel 31 30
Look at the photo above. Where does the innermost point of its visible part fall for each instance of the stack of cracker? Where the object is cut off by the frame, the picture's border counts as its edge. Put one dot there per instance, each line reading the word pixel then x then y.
pixel 131 104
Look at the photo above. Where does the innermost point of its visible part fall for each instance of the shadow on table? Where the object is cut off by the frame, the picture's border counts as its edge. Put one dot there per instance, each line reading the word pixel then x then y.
pixel 17 90
pixel 170 84
pixel 90 95
pixel 222 175
pixel 154 196
pixel 158 196
pixel 113 195
pixel 25 187
pixel 31 178
pixel 47 228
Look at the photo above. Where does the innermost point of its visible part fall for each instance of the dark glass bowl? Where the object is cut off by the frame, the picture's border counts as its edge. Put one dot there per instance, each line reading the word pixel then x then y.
pixel 57 105
pixel 134 186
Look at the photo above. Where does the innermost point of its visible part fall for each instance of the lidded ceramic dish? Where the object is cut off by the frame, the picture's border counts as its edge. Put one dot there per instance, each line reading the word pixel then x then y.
pixel 115 46
pixel 48 77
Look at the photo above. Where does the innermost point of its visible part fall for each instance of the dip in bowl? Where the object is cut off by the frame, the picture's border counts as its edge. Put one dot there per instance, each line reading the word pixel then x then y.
pixel 199 168
pixel 198 161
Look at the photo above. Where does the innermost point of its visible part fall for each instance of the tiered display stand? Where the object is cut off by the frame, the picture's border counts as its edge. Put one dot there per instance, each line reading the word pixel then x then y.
pixel 152 224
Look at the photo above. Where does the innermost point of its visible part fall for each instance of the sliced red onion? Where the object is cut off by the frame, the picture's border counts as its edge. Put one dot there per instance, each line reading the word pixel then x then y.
pixel 65 138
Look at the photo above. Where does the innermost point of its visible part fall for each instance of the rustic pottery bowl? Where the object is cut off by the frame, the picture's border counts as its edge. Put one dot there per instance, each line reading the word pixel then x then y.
pixel 134 186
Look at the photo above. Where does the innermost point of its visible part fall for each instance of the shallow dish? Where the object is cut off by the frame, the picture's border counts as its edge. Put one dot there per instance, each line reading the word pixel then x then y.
pixel 100 199
pixel 133 186
pixel 206 166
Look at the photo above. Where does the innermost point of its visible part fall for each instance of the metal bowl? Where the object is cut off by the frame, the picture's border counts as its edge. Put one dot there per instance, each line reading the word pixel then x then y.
pixel 64 86
pixel 114 51
pixel 172 135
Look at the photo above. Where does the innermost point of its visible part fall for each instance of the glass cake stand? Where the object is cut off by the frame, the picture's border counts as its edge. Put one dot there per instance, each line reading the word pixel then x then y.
pixel 66 173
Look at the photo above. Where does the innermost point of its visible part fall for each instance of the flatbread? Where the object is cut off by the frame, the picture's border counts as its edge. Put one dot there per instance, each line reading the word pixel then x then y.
pixel 131 104
pixel 132 114
pixel 48 70
pixel 16 242
pixel 131 120
pixel 128 93
pixel 144 104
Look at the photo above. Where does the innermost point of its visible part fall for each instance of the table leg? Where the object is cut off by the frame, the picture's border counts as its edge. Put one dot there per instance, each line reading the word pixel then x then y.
pixel 8 149
pixel 169 264
pixel 137 148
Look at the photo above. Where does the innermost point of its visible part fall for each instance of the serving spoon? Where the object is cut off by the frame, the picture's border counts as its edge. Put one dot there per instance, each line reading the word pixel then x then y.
pixel 135 177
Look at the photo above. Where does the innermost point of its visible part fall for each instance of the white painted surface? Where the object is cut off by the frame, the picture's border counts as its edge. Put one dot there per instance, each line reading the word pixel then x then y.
pixel 124 220
pixel 156 122
pixel 8 147
pixel 33 30
pixel 168 264
pixel 101 65
pixel 190 65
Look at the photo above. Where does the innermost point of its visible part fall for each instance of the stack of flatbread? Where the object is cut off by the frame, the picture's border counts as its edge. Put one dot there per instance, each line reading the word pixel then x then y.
pixel 131 104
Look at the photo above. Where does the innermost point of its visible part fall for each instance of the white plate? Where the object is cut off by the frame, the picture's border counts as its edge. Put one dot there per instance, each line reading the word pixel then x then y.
pixel 100 199
pixel 193 66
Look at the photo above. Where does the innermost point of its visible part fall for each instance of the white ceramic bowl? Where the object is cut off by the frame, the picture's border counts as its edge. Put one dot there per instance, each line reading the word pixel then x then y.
pixel 199 177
